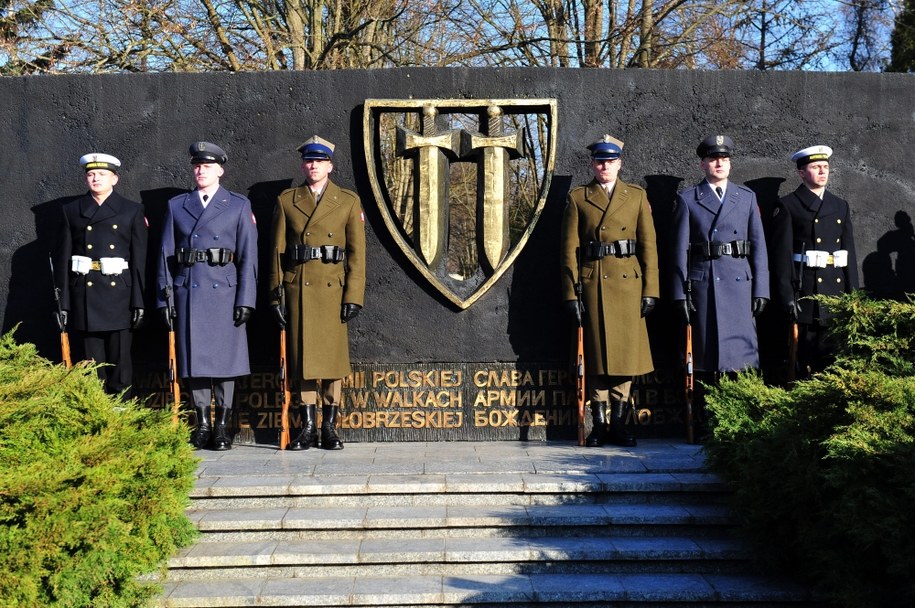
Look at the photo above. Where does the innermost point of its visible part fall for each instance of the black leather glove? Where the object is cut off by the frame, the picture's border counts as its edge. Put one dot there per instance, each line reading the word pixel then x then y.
pixel 684 310
pixel 793 310
pixel 648 305
pixel 759 304
pixel 279 315
pixel 348 312
pixel 61 317
pixel 575 309
pixel 242 314
pixel 163 314
pixel 137 318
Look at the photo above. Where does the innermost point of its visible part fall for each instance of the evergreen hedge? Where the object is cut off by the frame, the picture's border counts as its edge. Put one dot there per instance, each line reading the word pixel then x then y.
pixel 92 488
pixel 824 473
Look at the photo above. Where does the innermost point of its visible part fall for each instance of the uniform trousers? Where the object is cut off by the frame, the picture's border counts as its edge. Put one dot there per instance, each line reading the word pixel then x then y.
pixel 202 390
pixel 112 348
pixel 609 388
pixel 330 391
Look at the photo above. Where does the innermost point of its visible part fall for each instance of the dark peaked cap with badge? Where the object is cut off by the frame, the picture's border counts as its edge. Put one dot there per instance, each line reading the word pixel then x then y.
pixel 811 155
pixel 91 162
pixel 316 148
pixel 606 148
pixel 715 146
pixel 203 152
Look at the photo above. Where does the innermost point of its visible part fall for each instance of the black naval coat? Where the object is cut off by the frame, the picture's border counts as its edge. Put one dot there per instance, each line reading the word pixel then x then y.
pixel 116 228
pixel 801 222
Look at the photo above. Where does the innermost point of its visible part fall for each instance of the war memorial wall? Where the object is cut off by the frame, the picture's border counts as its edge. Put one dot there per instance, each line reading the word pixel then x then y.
pixel 463 175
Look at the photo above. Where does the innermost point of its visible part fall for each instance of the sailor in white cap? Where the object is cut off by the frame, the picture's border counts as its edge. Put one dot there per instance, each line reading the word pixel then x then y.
pixel 101 270
pixel 319 238
pixel 811 229
pixel 609 251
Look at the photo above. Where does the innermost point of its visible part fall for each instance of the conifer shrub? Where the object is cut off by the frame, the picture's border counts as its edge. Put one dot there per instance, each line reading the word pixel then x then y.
pixel 93 488
pixel 824 473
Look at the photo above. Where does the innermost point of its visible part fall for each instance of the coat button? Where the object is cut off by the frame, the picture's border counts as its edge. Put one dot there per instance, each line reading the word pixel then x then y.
pixel 113 284
pixel 307 234
pixel 88 283
pixel 89 228
pixel 329 284
pixel 819 279
pixel 625 276
pixel 114 226
pixel 330 234
pixel 603 227
pixel 307 283
pixel 816 221
pixel 819 240
pixel 194 285
pixel 110 246
pixel 839 221
pixel 215 285
pixel 216 238
pixel 839 280
pixel 89 246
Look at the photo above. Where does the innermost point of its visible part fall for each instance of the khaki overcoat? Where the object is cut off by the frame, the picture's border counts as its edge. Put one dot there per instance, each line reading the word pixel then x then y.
pixel 616 337
pixel 317 339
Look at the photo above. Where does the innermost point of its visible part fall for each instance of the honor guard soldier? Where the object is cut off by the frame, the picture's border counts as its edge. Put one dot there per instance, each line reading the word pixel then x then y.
pixel 319 262
pixel 721 260
pixel 209 264
pixel 100 269
pixel 815 254
pixel 609 250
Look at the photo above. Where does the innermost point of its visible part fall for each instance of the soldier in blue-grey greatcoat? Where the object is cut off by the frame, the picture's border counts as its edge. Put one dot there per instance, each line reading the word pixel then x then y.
pixel 209 261
pixel 718 222
pixel 100 269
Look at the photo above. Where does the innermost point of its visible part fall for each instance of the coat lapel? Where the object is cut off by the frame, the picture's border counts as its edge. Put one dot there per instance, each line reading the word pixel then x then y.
pixel 304 201
pixel 218 204
pixel 330 200
pixel 94 213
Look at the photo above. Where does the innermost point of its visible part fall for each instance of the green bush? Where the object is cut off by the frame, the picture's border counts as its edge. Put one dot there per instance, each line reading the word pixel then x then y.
pixel 92 488
pixel 824 473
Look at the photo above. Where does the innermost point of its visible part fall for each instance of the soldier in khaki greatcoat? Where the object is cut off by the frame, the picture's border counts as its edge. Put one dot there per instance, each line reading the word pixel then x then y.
pixel 319 236
pixel 608 233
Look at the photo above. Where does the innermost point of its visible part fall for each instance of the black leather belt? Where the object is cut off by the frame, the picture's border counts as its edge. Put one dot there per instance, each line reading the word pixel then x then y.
pixel 329 254
pixel 217 256
pixel 596 250
pixel 712 250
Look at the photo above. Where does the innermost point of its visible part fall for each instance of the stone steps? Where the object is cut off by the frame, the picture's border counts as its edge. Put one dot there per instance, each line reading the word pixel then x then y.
pixel 634 529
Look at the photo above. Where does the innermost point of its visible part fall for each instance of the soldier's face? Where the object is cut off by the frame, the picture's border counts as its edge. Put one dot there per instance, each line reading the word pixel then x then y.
pixel 815 175
pixel 207 174
pixel 317 171
pixel 716 168
pixel 101 181
pixel 605 171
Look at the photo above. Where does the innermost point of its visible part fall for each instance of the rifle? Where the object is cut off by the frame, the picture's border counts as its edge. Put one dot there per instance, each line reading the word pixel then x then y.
pixel 793 330
pixel 580 358
pixel 172 357
pixel 61 322
pixel 284 377
pixel 690 378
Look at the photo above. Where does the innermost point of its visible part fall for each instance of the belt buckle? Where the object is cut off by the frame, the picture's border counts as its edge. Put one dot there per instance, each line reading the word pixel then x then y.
pixel 727 249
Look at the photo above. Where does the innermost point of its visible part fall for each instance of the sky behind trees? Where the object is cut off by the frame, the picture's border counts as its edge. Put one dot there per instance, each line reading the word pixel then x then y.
pixel 105 36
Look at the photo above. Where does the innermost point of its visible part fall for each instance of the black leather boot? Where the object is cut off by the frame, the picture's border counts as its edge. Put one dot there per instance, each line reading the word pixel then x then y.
pixel 308 438
pixel 221 440
pixel 200 438
pixel 329 438
pixel 598 433
pixel 618 434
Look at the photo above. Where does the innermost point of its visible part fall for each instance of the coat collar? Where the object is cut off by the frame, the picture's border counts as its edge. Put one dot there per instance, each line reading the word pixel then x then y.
pixel 304 200
pixel 811 202
pixel 94 212
pixel 218 204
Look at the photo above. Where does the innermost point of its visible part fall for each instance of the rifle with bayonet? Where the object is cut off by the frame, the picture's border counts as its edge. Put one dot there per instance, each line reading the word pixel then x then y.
pixel 284 377
pixel 580 356
pixel 689 385
pixel 61 317
pixel 793 330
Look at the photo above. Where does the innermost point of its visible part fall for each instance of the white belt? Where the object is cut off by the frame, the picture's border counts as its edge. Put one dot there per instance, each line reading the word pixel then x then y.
pixel 81 264
pixel 814 258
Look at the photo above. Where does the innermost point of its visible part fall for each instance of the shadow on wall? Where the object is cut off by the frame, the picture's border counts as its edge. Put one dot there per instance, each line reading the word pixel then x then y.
pixel 889 272
pixel 31 298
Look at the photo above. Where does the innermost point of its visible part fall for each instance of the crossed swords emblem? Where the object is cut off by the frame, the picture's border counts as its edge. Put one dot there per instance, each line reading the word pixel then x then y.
pixel 432 151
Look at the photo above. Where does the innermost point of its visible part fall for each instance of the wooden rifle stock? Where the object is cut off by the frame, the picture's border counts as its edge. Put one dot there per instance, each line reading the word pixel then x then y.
pixel 580 384
pixel 64 336
pixel 287 394
pixel 793 330
pixel 172 358
pixel 284 370
pixel 690 385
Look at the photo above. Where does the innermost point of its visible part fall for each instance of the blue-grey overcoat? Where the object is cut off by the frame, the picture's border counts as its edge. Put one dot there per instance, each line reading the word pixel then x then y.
pixel 724 330
pixel 205 295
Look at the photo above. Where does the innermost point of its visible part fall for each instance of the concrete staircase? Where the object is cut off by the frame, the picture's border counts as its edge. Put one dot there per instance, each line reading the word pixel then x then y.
pixel 453 524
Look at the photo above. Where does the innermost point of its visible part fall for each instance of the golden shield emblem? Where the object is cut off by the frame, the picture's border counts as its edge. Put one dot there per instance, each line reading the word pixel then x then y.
pixel 460 183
